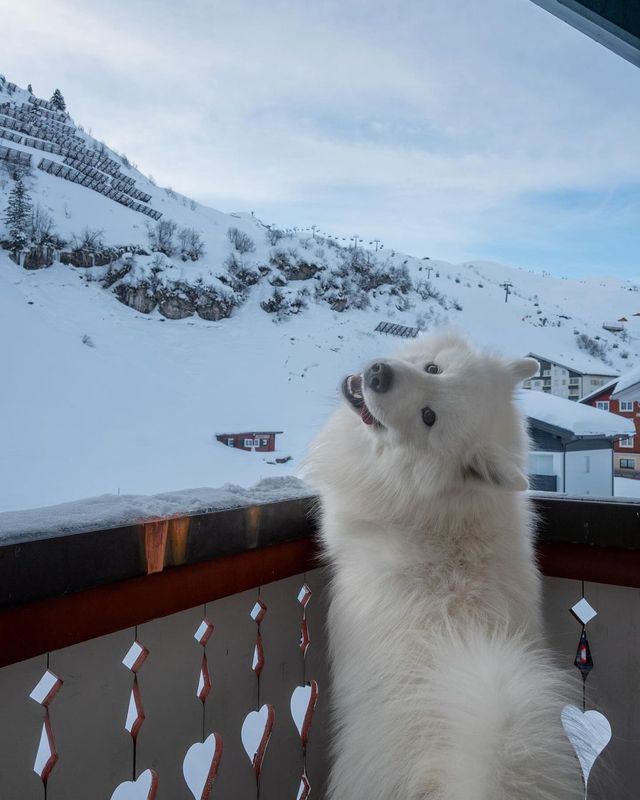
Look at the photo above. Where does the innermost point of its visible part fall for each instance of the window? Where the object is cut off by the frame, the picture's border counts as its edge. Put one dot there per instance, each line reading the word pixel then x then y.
pixel 628 442
pixel 626 405
pixel 231 442
pixel 603 405
pixel 627 463
pixel 256 442
pixel 541 464
pixel 265 442
pixel 248 442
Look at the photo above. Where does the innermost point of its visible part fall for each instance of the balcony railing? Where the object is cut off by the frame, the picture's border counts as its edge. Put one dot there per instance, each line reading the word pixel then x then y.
pixel 220 621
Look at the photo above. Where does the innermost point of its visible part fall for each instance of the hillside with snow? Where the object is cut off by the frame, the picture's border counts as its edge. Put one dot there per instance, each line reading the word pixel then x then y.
pixel 159 323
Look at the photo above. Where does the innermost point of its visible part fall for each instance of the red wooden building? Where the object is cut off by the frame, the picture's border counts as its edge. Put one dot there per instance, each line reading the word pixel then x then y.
pixel 262 441
pixel 626 452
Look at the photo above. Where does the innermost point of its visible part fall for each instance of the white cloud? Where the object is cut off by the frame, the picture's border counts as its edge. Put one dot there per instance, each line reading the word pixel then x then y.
pixel 430 120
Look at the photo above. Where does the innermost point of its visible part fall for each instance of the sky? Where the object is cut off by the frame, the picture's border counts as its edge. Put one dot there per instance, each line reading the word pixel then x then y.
pixel 449 128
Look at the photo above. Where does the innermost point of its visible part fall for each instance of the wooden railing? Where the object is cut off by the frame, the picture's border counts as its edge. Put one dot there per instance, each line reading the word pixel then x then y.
pixel 219 618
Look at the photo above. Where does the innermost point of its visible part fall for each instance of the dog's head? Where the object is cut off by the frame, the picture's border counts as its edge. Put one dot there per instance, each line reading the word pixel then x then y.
pixel 438 416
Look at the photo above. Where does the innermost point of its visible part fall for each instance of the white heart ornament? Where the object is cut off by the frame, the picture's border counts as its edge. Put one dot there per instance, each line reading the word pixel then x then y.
pixel 303 703
pixel 588 732
pixel 255 734
pixel 144 788
pixel 200 766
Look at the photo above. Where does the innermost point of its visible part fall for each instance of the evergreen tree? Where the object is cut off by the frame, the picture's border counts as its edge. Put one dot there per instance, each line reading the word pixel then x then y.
pixel 58 101
pixel 17 216
pixel 30 89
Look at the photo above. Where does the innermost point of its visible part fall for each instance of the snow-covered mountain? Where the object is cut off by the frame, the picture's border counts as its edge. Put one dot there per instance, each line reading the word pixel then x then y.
pixel 190 322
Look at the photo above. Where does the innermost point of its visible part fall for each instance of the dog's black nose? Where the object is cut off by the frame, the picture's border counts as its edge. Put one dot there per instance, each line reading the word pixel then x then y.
pixel 378 377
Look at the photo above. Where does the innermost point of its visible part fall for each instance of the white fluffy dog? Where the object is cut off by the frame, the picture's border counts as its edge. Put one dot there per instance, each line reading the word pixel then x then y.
pixel 440 690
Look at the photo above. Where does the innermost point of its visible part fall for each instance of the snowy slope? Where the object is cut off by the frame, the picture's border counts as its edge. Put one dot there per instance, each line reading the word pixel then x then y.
pixel 134 408
pixel 75 207
pixel 137 413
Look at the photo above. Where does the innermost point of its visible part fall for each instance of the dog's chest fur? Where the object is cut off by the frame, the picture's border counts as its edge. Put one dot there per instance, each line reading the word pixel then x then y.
pixel 390 583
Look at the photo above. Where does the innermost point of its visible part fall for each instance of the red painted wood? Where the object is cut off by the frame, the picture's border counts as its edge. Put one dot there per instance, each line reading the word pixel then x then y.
pixel 609 565
pixel 35 628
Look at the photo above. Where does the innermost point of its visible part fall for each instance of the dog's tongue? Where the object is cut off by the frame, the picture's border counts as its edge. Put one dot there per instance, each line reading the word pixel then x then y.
pixel 366 416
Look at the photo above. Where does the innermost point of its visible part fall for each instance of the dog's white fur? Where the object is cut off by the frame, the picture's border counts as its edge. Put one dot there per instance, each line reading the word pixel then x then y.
pixel 441 690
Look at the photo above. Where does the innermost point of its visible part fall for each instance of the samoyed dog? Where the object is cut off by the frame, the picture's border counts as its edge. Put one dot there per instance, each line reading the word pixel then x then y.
pixel 441 689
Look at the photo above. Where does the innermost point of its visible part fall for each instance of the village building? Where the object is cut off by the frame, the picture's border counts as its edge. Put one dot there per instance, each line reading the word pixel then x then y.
pixel 621 396
pixel 565 381
pixel 572 445
pixel 260 441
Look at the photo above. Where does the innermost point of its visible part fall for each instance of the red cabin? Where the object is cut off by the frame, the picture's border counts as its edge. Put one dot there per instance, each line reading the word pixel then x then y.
pixel 262 441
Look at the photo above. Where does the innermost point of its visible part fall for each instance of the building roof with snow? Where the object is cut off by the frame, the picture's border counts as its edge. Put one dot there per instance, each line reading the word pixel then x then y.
pixel 628 385
pixel 583 365
pixel 571 420
pixel 606 387
pixel 625 387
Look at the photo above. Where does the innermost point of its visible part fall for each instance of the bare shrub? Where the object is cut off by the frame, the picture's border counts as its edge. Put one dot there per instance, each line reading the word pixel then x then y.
pixel 161 237
pixel 426 291
pixel 241 274
pixel 242 242
pixel 274 304
pixel 42 228
pixel 591 346
pixel 89 239
pixel 273 235
pixel 190 244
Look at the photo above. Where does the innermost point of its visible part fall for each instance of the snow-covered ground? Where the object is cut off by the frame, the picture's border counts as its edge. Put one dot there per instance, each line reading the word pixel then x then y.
pixel 626 487
pixel 137 412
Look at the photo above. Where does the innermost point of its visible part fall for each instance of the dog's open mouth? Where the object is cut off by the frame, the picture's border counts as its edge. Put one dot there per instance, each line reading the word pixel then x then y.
pixel 352 390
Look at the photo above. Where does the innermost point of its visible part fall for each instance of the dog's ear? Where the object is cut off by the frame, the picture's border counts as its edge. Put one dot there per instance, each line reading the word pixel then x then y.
pixel 501 473
pixel 523 368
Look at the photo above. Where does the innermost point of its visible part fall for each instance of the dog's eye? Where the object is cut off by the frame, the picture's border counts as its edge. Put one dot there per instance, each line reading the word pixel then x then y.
pixel 428 416
pixel 432 369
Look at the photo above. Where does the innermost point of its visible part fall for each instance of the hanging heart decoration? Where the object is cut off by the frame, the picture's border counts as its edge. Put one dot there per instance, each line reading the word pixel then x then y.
pixel 589 733
pixel 255 734
pixel 143 788
pixel 200 766
pixel 303 703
